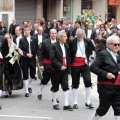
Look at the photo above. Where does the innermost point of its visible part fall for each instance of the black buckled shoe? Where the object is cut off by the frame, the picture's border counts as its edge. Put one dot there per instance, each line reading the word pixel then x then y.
pixel 90 106
pixel 0 107
pixel 56 107
pixel 26 94
pixel 39 96
pixel 30 90
pixel 56 100
pixel 69 108
pixel 75 106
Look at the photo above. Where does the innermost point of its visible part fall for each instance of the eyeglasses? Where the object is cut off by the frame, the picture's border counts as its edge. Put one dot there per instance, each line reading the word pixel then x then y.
pixel 115 44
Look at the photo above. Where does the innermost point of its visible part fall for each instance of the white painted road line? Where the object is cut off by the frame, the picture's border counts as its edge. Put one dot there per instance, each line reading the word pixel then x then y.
pixel 31 117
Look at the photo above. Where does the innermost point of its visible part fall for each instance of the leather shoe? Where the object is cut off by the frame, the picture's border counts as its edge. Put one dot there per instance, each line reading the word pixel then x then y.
pixel 30 90
pixel 90 106
pixel 26 94
pixel 10 92
pixel 0 107
pixel 75 106
pixel 39 96
pixel 5 96
pixel 35 78
pixel 69 108
pixel 56 100
pixel 56 107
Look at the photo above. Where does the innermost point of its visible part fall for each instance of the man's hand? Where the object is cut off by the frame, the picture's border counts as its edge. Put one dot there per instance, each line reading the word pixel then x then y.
pixel 29 55
pixel 42 68
pixel 110 76
pixel 63 68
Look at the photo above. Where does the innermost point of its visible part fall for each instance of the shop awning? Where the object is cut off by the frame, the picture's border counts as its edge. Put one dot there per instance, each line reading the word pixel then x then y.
pixel 113 2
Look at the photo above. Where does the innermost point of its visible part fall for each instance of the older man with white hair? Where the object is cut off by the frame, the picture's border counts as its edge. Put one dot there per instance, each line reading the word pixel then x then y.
pixel 80 50
pixel 60 61
pixel 107 67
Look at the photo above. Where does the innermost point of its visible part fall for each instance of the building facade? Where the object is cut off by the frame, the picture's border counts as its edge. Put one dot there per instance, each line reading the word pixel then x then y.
pixel 52 9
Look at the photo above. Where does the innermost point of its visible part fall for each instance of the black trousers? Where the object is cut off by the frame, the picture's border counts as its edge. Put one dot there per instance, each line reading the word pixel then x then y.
pixel 28 63
pixel 46 74
pixel 84 71
pixel 59 77
pixel 109 95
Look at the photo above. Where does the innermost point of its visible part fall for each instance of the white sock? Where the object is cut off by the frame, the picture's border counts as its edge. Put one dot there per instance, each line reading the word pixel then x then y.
pixel 95 117
pixel 26 82
pixel 6 92
pixel 41 88
pixel 88 89
pixel 54 96
pixel 0 93
pixel 75 92
pixel 117 117
pixel 65 98
pixel 30 82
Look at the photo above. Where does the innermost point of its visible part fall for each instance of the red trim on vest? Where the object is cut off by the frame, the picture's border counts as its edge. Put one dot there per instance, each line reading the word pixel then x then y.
pixel 1 61
pixel 117 82
pixel 46 61
pixel 78 61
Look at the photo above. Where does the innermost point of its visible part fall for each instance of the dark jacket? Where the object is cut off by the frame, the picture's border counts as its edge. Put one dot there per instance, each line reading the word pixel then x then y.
pixel 14 38
pixel 93 34
pixel 73 48
pixel 12 28
pixel 56 56
pixel 44 36
pixel 24 46
pixel 43 52
pixel 105 63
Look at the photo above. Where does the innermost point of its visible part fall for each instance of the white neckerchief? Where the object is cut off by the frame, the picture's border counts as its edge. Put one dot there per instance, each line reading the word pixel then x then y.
pixel 80 49
pixel 39 39
pixel 18 39
pixel 28 39
pixel 89 32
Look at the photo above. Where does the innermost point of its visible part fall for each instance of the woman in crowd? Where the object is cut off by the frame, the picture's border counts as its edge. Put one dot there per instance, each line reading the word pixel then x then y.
pixel 12 78
pixel 3 28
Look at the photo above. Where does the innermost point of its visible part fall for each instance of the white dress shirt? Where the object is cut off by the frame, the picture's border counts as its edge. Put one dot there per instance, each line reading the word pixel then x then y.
pixel 39 39
pixel 28 39
pixel 89 32
pixel 18 40
pixel 53 41
pixel 63 51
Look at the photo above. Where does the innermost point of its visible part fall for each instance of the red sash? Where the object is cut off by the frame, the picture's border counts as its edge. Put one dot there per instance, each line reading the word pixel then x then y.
pixel 1 61
pixel 78 61
pixel 46 61
pixel 64 61
pixel 117 81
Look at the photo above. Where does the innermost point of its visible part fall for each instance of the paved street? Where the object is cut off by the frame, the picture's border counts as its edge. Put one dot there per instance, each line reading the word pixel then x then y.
pixel 17 107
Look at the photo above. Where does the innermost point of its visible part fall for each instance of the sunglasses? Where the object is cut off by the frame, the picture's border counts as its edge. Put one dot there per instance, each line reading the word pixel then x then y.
pixel 115 44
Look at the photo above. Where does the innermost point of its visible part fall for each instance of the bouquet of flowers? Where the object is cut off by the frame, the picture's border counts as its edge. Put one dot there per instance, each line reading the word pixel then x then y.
pixel 86 17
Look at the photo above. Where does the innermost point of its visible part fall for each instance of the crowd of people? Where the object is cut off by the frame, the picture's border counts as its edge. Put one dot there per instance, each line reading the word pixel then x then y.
pixel 59 48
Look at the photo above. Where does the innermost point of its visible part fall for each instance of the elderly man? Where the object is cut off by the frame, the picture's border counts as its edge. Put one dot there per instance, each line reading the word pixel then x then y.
pixel 12 27
pixel 107 67
pixel 60 59
pixel 80 50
